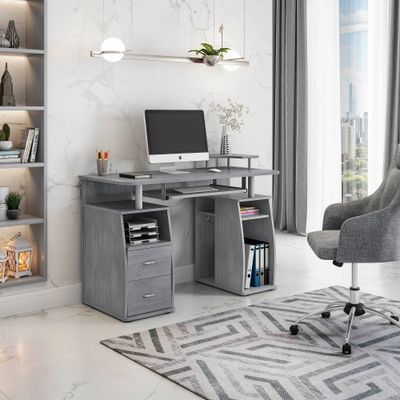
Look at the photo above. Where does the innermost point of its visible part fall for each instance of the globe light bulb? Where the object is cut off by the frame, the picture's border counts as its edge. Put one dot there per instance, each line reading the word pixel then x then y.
pixel 229 55
pixel 112 49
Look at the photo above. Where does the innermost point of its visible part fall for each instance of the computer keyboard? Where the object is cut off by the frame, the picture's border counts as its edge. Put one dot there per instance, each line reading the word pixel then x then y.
pixel 196 189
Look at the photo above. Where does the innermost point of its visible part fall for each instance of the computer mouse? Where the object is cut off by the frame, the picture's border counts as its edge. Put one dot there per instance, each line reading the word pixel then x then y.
pixel 215 170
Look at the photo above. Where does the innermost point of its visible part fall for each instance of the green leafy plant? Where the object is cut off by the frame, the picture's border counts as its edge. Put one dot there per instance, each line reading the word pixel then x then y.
pixel 13 200
pixel 5 133
pixel 208 50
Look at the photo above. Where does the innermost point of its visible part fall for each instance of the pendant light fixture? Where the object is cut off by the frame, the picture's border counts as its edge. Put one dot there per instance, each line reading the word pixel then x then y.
pixel 113 49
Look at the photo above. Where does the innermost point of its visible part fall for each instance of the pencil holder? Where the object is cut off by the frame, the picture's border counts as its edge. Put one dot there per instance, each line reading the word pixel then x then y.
pixel 102 167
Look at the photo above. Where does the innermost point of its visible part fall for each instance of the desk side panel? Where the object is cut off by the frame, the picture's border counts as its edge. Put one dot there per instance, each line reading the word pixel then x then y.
pixel 104 262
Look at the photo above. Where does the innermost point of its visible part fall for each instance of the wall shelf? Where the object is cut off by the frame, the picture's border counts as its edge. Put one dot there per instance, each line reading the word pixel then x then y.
pixel 22 108
pixel 22 220
pixel 22 165
pixel 27 66
pixel 20 52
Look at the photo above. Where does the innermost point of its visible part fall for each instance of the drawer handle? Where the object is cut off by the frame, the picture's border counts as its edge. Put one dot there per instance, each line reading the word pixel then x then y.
pixel 149 263
pixel 148 296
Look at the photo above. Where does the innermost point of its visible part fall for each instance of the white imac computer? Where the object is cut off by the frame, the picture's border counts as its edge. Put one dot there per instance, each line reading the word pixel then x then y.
pixel 175 136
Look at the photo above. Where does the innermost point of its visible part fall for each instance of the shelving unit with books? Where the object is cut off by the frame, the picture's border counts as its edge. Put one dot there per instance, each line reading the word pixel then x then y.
pixel 222 229
pixel 27 66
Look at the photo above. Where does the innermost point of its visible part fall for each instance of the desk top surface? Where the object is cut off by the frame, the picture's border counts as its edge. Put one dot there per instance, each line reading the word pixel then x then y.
pixel 195 174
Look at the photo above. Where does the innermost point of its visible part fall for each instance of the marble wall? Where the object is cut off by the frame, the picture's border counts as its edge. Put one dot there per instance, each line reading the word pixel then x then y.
pixel 93 104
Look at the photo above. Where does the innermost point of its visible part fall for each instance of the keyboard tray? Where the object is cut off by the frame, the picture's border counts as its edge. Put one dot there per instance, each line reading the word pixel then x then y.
pixel 172 195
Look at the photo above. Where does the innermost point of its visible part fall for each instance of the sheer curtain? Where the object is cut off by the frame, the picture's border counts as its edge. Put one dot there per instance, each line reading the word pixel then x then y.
pixel 378 47
pixel 324 132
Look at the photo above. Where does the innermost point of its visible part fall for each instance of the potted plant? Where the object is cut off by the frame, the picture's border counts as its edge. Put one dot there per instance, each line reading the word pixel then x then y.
pixel 13 200
pixel 5 143
pixel 230 117
pixel 211 56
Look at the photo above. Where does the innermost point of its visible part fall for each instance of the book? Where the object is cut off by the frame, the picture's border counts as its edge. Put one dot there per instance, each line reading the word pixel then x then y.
pixel 249 253
pixel 5 157
pixel 28 145
pixel 16 160
pixel 255 273
pixel 135 175
pixel 35 143
pixel 10 152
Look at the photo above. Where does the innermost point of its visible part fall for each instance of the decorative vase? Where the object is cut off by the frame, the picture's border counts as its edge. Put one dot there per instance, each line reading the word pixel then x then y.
pixel 225 144
pixel 211 60
pixel 6 145
pixel 13 214
pixel 3 41
pixel 12 35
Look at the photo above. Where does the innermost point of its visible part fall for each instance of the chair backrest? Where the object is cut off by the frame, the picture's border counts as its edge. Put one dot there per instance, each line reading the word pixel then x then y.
pixel 389 190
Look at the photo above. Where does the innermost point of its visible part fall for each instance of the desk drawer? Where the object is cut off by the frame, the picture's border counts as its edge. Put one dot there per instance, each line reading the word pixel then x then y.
pixel 149 295
pixel 149 263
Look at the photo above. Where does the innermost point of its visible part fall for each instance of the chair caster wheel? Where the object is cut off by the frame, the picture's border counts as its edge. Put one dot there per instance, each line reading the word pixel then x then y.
pixel 294 329
pixel 326 314
pixel 346 349
pixel 395 317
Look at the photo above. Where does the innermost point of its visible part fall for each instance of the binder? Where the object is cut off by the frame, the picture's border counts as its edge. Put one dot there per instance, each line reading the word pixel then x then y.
pixel 255 274
pixel 249 249
pixel 266 263
pixel 262 264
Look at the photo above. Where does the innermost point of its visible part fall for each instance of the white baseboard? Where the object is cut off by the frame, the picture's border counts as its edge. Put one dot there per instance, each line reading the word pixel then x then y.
pixel 37 300
pixel 184 273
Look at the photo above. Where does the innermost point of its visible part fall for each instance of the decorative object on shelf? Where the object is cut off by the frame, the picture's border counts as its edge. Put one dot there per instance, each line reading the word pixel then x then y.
pixel 4 190
pixel 102 162
pixel 3 41
pixel 211 56
pixel 19 254
pixel 12 35
pixel 13 200
pixel 230 117
pixel 5 143
pixel 7 97
pixel 3 266
pixel 113 50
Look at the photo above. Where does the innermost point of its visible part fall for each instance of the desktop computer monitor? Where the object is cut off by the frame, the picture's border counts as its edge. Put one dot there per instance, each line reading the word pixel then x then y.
pixel 176 136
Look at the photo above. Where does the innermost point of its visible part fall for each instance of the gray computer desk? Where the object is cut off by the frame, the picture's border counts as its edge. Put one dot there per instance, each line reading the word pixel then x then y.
pixel 132 282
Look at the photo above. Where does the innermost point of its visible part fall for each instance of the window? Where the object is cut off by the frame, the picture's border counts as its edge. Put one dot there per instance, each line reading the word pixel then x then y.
pixel 354 94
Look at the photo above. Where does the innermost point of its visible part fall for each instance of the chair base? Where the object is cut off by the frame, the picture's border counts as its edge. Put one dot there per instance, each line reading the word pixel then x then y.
pixel 352 310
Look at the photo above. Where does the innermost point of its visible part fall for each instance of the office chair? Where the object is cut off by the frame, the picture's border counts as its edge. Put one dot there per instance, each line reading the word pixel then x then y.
pixel 360 231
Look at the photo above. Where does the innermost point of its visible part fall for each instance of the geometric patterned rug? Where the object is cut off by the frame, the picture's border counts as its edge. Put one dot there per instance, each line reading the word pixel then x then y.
pixel 248 353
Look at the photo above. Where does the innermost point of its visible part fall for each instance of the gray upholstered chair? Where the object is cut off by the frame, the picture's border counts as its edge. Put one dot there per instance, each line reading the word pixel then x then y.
pixel 360 231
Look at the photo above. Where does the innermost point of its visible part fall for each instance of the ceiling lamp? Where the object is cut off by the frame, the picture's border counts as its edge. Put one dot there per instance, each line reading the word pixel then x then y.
pixel 112 49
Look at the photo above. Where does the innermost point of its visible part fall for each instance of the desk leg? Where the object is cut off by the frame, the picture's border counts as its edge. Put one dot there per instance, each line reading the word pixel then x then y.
pixel 251 188
pixel 139 197
pixel 244 182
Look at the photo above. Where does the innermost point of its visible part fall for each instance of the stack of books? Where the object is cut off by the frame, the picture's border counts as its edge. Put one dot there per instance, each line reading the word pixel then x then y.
pixel 31 146
pixel 141 230
pixel 10 156
pixel 248 210
pixel 256 263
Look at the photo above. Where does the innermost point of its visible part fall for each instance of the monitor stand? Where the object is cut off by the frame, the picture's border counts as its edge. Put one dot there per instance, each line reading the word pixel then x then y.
pixel 171 169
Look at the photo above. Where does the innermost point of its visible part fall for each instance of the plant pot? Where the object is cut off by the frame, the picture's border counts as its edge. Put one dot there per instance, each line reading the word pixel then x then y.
pixel 6 145
pixel 225 142
pixel 13 214
pixel 211 60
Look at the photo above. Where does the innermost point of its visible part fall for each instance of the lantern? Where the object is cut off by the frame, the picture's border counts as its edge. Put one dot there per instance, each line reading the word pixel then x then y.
pixel 3 267
pixel 19 254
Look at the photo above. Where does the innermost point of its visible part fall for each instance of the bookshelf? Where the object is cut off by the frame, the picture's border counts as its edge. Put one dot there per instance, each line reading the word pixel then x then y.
pixel 220 247
pixel 27 65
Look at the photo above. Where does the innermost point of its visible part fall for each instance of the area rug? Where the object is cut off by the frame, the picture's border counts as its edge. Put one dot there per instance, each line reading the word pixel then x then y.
pixel 247 353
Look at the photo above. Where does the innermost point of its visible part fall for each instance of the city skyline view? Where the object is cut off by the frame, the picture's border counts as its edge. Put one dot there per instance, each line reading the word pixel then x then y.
pixel 354 97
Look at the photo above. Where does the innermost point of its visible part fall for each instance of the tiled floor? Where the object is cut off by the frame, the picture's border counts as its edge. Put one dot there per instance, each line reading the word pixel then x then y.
pixel 56 354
